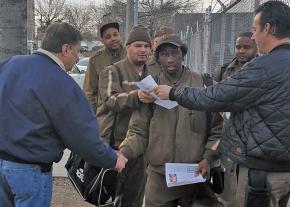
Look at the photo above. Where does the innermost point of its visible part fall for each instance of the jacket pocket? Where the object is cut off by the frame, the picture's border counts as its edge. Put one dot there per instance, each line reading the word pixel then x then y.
pixel 198 121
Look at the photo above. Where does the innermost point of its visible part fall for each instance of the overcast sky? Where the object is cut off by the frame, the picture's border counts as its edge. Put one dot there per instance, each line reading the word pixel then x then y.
pixel 206 3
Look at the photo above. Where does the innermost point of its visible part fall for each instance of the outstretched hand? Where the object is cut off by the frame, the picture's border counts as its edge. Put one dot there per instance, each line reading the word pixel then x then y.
pixel 203 168
pixel 162 91
pixel 145 97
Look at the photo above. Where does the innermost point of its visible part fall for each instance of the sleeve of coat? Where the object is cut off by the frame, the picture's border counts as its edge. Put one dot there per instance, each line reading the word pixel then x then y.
pixel 91 83
pixel 112 93
pixel 216 74
pixel 136 141
pixel 243 90
pixel 215 125
pixel 74 121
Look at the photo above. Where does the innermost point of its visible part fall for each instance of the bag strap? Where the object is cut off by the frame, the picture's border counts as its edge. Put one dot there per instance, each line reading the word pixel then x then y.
pixel 112 137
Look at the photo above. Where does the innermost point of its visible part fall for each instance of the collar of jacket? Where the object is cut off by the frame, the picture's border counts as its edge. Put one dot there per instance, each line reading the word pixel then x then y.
pixel 50 55
pixel 151 60
pixel 176 77
pixel 282 46
pixel 234 63
pixel 129 65
pixel 116 54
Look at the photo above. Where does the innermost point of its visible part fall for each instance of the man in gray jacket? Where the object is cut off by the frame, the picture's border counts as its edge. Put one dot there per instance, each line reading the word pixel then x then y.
pixel 258 97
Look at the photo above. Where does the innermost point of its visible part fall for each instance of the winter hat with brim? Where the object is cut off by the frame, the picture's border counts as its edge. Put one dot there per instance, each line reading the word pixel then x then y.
pixel 171 39
pixel 107 26
pixel 138 33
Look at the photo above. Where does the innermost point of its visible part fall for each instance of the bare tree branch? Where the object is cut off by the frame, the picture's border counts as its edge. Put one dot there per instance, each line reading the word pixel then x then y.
pixel 49 11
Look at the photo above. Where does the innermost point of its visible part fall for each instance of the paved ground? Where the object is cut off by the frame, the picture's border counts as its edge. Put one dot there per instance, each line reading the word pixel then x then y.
pixel 64 195
pixel 58 168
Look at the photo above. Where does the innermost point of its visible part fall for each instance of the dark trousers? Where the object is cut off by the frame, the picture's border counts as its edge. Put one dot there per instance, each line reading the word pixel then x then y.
pixel 279 184
pixel 131 183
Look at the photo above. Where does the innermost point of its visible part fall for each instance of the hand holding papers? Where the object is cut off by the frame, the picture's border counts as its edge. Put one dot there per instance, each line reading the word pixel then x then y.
pixel 182 174
pixel 148 83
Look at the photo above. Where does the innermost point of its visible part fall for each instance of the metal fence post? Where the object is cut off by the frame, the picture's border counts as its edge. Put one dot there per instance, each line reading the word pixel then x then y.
pixel 206 44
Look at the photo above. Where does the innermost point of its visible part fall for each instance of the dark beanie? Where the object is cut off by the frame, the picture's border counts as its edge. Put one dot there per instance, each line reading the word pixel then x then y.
pixel 138 33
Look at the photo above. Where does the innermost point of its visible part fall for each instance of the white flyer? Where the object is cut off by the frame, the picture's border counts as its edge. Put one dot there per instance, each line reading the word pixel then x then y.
pixel 182 174
pixel 148 83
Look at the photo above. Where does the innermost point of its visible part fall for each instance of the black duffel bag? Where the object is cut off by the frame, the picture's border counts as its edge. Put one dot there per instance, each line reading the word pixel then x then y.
pixel 95 185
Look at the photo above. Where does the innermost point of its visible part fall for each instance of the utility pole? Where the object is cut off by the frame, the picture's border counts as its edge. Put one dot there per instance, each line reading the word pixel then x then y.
pixel 136 5
pixel 129 16
pixel 223 31
pixel 207 31
pixel 13 28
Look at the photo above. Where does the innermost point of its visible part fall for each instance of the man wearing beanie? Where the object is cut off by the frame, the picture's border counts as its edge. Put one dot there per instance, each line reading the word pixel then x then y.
pixel 111 52
pixel 174 135
pixel 118 97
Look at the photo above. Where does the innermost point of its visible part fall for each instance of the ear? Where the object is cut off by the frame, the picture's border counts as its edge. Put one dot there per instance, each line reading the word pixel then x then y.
pixel 267 28
pixel 64 50
pixel 127 47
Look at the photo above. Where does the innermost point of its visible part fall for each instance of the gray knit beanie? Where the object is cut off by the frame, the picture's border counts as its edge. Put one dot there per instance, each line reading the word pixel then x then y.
pixel 138 33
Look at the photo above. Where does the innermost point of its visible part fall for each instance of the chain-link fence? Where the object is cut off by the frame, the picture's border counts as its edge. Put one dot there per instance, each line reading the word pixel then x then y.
pixel 211 41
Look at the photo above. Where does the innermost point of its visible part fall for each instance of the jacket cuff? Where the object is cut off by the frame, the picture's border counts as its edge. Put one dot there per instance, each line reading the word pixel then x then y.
pixel 171 94
pixel 126 152
pixel 211 155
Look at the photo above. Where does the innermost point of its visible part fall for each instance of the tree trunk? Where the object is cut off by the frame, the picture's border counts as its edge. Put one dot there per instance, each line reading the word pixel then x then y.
pixel 13 28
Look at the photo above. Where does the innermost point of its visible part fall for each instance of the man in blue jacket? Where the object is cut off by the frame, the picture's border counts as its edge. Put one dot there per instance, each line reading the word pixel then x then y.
pixel 257 135
pixel 42 112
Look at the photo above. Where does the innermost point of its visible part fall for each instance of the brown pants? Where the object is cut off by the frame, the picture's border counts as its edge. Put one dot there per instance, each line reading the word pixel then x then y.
pixel 131 183
pixel 157 194
pixel 279 183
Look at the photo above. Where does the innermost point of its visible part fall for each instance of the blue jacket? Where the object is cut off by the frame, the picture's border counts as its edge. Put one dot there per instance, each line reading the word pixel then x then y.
pixel 43 111
pixel 258 96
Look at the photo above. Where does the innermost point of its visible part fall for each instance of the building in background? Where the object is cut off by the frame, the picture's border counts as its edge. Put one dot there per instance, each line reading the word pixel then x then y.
pixel 31 45
pixel 13 28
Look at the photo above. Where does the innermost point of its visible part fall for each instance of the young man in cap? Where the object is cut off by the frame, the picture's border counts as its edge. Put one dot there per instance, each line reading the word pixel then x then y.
pixel 177 135
pixel 158 33
pixel 118 97
pixel 245 51
pixel 111 52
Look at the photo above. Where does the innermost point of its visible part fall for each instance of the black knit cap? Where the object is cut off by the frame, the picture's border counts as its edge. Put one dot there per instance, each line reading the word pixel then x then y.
pixel 107 26
pixel 138 33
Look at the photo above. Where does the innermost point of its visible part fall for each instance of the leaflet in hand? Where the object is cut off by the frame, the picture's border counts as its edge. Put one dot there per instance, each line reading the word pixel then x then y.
pixel 182 174
pixel 148 83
